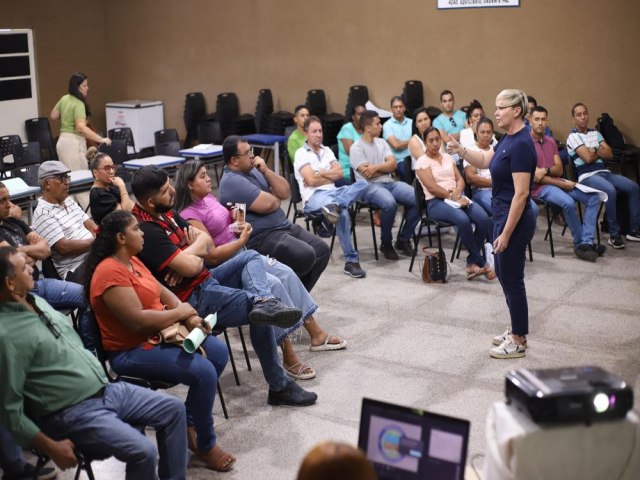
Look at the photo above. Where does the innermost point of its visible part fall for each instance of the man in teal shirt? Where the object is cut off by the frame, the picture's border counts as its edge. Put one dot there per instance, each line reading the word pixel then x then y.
pixel 56 395
pixel 397 132
pixel 450 122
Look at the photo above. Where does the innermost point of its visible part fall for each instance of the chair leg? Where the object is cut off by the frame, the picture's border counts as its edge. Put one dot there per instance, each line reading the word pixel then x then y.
pixel 233 362
pixel 416 241
pixel 598 218
pixel 530 253
pixel 222 403
pixel 373 234
pixel 244 348
pixel 550 218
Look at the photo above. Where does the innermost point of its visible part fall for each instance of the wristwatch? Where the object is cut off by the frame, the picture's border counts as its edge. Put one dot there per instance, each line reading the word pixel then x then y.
pixel 317 172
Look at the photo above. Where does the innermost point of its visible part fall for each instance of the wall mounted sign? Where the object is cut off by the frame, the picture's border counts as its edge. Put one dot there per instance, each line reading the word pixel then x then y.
pixel 449 4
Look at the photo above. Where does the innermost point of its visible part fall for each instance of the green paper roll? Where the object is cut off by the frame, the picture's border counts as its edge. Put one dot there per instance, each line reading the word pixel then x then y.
pixel 193 340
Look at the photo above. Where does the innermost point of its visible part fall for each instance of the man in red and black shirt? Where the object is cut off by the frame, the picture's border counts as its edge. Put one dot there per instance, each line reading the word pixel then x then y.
pixel 237 290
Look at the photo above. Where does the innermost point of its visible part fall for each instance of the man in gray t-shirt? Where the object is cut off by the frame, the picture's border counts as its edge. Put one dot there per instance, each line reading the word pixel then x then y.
pixel 372 161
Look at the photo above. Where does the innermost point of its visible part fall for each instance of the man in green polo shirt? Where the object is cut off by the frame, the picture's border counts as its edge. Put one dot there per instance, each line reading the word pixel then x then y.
pixel 56 396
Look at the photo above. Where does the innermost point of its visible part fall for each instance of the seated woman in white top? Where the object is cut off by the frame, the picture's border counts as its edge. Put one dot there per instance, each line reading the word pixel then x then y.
pixel 421 122
pixel 468 136
pixel 443 186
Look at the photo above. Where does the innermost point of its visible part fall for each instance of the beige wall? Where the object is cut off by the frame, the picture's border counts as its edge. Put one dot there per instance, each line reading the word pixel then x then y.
pixel 560 51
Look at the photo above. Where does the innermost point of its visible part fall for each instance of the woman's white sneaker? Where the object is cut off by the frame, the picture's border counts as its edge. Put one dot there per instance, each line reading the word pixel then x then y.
pixel 508 349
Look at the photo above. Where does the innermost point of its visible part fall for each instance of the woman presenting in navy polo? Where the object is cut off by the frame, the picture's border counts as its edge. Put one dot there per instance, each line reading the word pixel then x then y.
pixel 512 167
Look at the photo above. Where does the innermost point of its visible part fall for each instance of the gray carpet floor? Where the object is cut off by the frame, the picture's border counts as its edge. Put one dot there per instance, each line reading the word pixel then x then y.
pixel 426 346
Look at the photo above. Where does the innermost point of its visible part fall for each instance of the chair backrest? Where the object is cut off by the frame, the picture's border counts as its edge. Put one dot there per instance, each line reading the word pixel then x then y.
pixel 166 135
pixel 433 112
pixel 421 203
pixel 195 109
pixel 7 145
pixel 316 102
pixel 49 269
pixel 227 105
pixel 27 154
pixel 39 130
pixel 209 132
pixel 264 108
pixel 413 95
pixel 610 132
pixel 123 133
pixel 171 149
pixel 359 94
pixel 117 151
pixel 296 196
pixel 408 175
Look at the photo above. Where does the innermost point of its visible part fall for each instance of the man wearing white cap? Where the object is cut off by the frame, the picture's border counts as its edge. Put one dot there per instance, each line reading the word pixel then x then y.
pixel 59 219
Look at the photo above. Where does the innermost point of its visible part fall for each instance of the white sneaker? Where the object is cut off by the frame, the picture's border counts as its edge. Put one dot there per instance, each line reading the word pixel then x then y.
pixel 508 349
pixel 498 339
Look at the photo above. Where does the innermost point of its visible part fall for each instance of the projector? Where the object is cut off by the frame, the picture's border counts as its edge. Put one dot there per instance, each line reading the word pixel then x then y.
pixel 571 394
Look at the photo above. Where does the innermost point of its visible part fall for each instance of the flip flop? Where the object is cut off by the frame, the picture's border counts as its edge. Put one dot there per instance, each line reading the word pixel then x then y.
pixel 326 346
pixel 471 274
pixel 222 462
pixel 489 273
pixel 298 373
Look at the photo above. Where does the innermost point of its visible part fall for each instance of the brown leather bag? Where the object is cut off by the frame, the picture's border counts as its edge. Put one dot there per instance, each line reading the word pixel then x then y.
pixel 174 334
pixel 434 268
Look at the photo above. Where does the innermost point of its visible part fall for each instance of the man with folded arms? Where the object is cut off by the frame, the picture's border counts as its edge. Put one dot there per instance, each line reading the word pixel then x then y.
pixel 56 397
pixel 588 151
pixel 59 219
pixel 174 252
pixel 316 169
pixel 373 162
pixel 397 131
pixel 15 233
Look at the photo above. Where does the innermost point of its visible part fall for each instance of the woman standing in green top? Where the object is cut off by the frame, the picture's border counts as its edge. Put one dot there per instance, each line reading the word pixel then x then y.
pixel 72 110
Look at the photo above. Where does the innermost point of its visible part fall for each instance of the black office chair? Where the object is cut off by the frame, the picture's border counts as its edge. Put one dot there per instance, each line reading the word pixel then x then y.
pixel 425 221
pixel 195 112
pixel 124 133
pixel 171 149
pixel 166 135
pixel 118 153
pixel 26 161
pixel 229 117
pixel 8 143
pixel 39 130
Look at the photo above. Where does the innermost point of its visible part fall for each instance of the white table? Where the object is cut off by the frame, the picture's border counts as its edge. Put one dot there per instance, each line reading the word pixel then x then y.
pixel 22 194
pixel 518 448
pixel 209 153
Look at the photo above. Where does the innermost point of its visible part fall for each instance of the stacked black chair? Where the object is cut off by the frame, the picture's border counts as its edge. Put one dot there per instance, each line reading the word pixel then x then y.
pixel 228 115
pixel 209 132
pixel 413 96
pixel 26 161
pixel 166 135
pixel 8 143
pixel 195 111
pixel 38 130
pixel 331 122
pixel 124 133
pixel 358 95
pixel 268 121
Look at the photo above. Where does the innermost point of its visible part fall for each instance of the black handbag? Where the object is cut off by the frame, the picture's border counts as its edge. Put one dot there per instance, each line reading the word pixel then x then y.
pixel 434 268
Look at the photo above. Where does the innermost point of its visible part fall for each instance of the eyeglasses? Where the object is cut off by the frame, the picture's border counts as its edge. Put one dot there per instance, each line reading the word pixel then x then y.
pixel 46 319
pixel 109 168
pixel 453 122
pixel 502 108
pixel 250 153
pixel 62 177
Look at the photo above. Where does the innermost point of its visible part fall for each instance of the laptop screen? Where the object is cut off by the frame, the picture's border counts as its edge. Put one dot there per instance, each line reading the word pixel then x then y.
pixel 404 443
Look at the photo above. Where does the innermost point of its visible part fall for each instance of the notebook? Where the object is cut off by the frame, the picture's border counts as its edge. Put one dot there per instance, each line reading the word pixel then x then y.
pixel 404 443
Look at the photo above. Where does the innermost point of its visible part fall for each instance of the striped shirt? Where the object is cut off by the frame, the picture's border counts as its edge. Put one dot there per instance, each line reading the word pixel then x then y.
pixel 55 222
pixel 591 139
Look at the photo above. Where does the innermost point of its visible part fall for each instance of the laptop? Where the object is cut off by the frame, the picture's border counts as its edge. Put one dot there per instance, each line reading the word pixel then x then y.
pixel 409 444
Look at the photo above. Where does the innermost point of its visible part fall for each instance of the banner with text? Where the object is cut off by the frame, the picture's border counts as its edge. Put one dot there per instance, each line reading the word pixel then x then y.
pixel 447 4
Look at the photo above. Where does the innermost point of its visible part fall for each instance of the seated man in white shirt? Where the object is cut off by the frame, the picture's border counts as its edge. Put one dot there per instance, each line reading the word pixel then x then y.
pixel 373 162
pixel 59 219
pixel 316 169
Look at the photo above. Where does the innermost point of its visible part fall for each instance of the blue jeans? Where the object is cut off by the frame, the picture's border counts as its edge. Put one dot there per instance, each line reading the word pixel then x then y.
pixel 463 218
pixel 233 306
pixel 611 183
pixel 170 363
pixel 566 200
pixel 345 197
pixel 103 427
pixel 483 198
pixel 509 264
pixel 11 458
pixel 245 271
pixel 387 195
pixel 288 287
